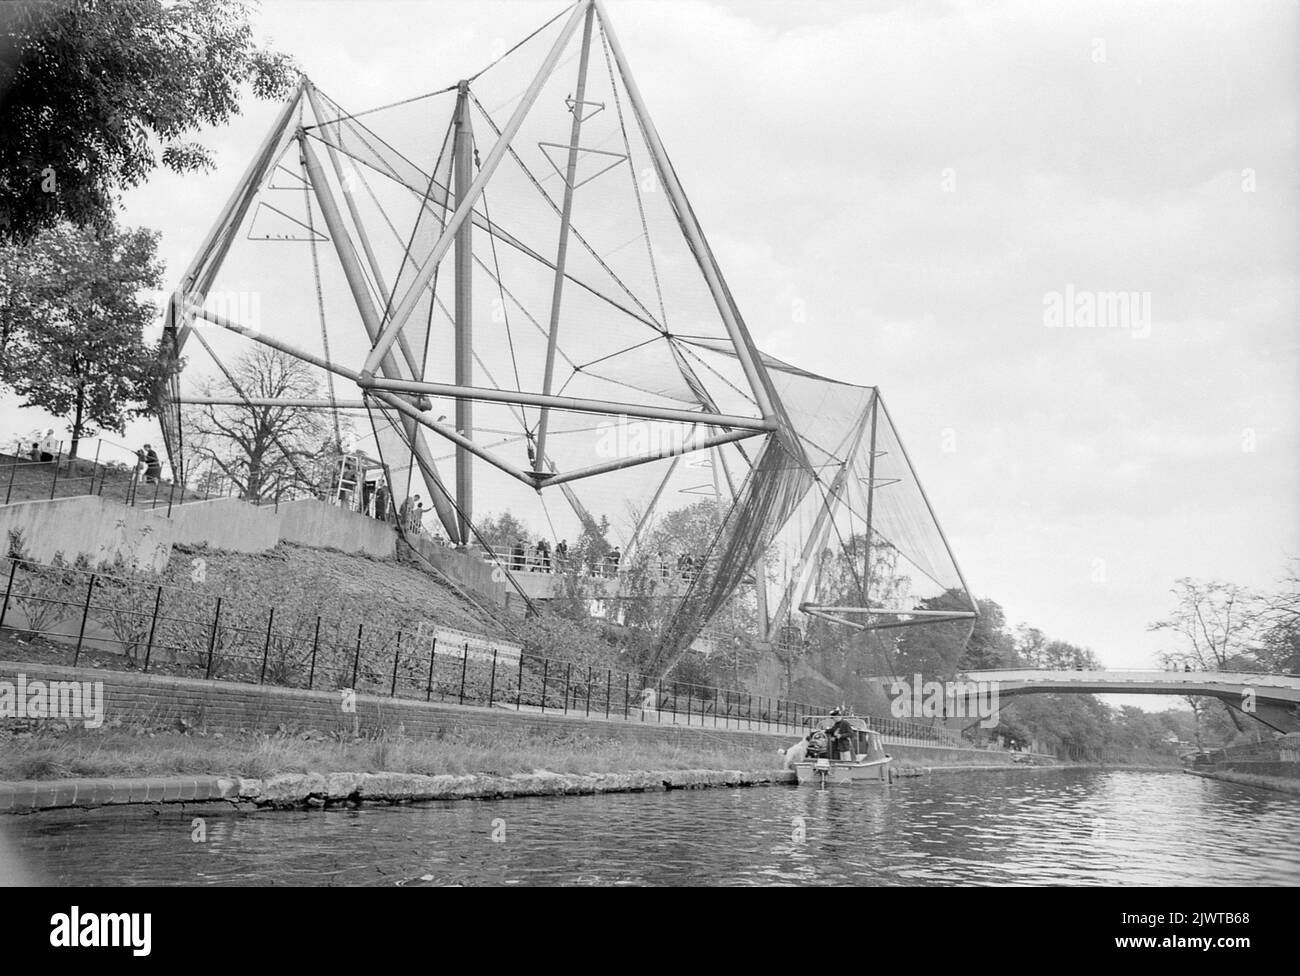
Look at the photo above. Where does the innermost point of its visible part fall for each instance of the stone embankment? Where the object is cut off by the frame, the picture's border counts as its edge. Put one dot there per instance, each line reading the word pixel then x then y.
pixel 289 790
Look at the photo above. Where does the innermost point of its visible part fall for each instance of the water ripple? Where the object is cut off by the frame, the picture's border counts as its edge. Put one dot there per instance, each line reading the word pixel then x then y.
pixel 979 828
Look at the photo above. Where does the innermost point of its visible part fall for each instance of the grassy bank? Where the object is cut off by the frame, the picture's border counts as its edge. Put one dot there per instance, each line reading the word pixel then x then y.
pixel 115 753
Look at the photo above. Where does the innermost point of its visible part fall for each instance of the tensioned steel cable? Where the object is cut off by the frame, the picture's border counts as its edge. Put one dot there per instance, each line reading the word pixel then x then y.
pixel 649 316
pixel 521 43
pixel 501 296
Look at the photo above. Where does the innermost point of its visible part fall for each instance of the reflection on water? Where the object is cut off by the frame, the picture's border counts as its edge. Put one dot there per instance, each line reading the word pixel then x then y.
pixel 1005 828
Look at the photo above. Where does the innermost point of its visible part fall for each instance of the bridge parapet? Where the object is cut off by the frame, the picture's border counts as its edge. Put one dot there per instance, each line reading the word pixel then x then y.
pixel 1136 676
pixel 1284 686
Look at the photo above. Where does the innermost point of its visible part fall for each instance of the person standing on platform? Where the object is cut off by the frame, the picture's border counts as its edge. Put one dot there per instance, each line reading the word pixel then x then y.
pixel 152 466
pixel 412 514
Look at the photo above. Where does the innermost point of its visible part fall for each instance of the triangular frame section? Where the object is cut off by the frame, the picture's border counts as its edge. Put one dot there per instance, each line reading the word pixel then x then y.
pixel 381 378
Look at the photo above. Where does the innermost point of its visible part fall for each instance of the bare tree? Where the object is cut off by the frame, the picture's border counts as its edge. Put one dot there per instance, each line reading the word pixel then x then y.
pixel 1279 635
pixel 1214 624
pixel 267 451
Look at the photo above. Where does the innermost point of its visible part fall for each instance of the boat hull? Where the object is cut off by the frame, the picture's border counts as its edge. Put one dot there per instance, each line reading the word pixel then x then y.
pixel 842 772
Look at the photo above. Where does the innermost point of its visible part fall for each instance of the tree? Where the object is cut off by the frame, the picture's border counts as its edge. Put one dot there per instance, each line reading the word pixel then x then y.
pixel 91 91
pixel 1212 626
pixel 72 333
pixel 503 531
pixel 940 650
pixel 1278 647
pixel 267 451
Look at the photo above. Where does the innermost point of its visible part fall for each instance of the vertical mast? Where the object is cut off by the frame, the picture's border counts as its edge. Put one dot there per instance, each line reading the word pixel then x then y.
pixel 562 248
pixel 871 494
pixel 463 163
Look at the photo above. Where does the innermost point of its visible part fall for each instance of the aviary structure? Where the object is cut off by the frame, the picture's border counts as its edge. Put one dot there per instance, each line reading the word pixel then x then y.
pixel 509 276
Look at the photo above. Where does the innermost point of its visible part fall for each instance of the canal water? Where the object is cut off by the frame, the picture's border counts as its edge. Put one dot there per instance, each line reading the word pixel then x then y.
pixel 970 828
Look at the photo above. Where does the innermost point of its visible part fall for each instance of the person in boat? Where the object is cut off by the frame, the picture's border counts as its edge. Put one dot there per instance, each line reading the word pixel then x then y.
pixel 840 735
pixel 817 745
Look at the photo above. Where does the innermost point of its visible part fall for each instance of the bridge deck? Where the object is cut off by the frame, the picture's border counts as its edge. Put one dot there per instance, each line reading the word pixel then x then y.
pixel 1218 684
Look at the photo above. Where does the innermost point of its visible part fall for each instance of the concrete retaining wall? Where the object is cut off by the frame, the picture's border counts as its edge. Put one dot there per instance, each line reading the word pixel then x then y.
pixel 1289 783
pixel 88 525
pixel 223 523
pixel 471 572
pixel 102 529
pixel 221 706
pixel 310 522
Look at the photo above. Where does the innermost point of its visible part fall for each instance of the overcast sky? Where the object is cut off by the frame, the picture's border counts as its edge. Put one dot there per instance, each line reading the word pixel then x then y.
pixel 926 185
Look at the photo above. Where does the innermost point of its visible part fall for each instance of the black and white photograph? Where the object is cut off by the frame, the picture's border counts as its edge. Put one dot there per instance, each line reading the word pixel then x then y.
pixel 650 443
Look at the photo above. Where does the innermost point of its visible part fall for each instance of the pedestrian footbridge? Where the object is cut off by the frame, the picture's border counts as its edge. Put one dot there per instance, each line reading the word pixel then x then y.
pixel 1274 699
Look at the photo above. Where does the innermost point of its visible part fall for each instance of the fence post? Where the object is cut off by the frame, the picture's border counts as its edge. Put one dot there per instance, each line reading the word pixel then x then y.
pixel 85 612
pixel 519 684
pixel 13 469
pixel 153 625
pixel 266 646
pixel 397 655
pixel 609 683
pixel 356 659
pixel 717 695
pixel 154 504
pixel 315 644
pixel 171 495
pixel 4 611
pixel 545 666
pixel 588 707
pixel 464 662
pixel 749 709
pixel 659 700
pixel 568 673
pixel 56 473
pixel 492 682
pixel 212 641
pixel 93 466
pixel 627 681
pixel 428 687
pixel 688 706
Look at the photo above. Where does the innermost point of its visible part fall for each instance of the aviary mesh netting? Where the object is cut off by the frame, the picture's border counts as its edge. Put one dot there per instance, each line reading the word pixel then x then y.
pixel 502 293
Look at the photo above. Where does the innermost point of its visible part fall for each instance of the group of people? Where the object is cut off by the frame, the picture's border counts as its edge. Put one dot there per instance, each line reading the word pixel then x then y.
pixel 42 450
pixel 540 558
pixel 372 496
pixel 377 502
pixel 48 448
